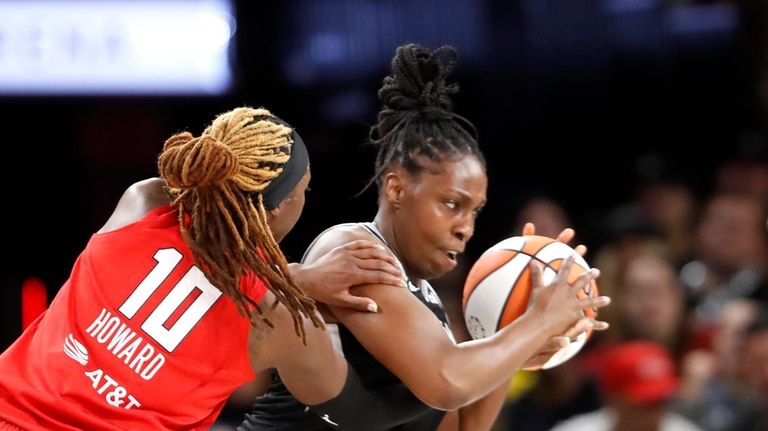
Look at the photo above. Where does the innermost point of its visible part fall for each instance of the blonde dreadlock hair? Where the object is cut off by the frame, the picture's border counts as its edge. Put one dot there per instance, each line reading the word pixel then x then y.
pixel 215 181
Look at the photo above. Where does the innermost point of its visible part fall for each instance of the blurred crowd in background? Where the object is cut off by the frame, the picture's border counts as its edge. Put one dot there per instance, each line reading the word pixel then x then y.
pixel 642 124
pixel 689 335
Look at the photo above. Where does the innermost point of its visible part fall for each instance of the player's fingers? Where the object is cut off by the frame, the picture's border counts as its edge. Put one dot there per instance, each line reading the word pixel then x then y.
pixel 360 244
pixel 565 269
pixel 596 302
pixel 379 264
pixel 600 325
pixel 589 286
pixel 378 273
pixel 584 280
pixel 583 325
pixel 529 229
pixel 376 251
pixel 566 235
pixel 536 277
pixel 581 249
pixel 357 302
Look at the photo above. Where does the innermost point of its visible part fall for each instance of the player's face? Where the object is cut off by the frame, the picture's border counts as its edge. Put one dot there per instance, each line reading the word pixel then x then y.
pixel 284 217
pixel 436 215
pixel 755 359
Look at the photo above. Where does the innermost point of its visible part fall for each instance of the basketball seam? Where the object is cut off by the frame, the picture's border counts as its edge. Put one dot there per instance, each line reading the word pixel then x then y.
pixel 547 265
pixel 511 290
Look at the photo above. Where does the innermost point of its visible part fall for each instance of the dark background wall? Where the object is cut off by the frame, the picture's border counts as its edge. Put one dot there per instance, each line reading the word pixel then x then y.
pixel 569 97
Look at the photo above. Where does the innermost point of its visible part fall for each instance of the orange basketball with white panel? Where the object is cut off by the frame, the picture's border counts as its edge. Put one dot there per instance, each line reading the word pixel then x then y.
pixel 498 286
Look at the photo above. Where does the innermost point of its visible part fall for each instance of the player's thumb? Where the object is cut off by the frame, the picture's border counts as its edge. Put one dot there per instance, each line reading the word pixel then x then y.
pixel 529 229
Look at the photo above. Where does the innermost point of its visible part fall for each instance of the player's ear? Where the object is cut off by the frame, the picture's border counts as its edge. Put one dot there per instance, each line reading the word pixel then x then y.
pixel 393 188
pixel 274 212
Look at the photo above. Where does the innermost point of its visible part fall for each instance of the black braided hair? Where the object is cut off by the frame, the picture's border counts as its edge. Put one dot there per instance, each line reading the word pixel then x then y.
pixel 416 119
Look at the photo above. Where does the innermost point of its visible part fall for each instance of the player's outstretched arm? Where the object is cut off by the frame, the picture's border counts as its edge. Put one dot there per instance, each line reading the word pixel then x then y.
pixel 440 373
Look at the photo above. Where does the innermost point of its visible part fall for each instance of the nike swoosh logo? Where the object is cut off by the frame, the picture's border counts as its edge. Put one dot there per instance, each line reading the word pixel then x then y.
pixel 326 418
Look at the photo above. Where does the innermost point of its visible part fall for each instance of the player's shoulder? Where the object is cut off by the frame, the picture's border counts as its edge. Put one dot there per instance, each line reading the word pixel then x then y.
pixel 138 199
pixel 145 187
pixel 334 236
pixel 345 232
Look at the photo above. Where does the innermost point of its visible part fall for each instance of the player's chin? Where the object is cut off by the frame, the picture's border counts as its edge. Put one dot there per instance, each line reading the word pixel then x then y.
pixel 436 266
pixel 439 268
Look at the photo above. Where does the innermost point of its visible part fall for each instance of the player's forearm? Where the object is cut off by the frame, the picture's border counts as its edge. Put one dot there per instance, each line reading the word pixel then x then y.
pixel 310 368
pixel 456 375
pixel 482 414
pixel 313 372
pixel 477 367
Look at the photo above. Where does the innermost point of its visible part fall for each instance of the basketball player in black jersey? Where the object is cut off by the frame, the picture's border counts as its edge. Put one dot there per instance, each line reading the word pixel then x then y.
pixel 432 182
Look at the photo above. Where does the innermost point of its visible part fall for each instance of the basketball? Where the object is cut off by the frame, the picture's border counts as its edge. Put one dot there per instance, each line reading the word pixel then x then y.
pixel 498 286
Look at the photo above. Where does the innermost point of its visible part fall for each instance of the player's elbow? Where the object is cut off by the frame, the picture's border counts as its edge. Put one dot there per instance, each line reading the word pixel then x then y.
pixel 444 393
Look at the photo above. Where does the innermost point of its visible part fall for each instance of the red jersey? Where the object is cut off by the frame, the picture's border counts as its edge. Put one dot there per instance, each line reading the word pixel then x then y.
pixel 137 338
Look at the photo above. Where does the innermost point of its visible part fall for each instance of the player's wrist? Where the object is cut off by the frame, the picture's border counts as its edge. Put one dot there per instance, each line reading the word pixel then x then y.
pixel 300 275
pixel 540 323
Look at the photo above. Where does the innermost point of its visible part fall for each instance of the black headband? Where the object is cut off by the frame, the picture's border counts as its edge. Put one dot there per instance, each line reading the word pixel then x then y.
pixel 293 170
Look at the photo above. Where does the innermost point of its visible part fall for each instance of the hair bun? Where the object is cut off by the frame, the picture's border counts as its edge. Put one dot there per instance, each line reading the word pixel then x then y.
pixel 418 79
pixel 188 162
pixel 177 140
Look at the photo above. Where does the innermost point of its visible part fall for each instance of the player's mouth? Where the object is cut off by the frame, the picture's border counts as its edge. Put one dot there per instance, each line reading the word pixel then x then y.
pixel 451 255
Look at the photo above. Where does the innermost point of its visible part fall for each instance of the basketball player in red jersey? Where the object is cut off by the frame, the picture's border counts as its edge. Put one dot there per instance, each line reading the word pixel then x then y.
pixel 184 294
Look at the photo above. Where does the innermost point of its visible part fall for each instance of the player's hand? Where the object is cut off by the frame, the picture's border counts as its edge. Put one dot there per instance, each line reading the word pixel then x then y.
pixel 554 344
pixel 330 278
pixel 566 236
pixel 557 305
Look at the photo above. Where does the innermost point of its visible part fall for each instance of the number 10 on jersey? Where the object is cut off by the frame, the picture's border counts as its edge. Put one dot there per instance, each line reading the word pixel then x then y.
pixel 167 259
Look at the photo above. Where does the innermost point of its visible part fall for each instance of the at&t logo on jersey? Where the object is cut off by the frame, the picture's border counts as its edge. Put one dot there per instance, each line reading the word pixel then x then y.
pixel 75 350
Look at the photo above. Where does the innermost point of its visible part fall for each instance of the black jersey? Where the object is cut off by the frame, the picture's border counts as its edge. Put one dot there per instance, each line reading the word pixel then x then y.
pixel 279 410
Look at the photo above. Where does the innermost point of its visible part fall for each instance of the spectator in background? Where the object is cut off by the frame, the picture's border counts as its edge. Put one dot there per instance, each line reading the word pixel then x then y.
pixel 743 175
pixel 746 170
pixel 656 221
pixel 549 396
pixel 650 301
pixel 667 203
pixel 730 257
pixel 549 217
pixel 714 389
pixel 638 382
pixel 755 366
pixel 629 236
